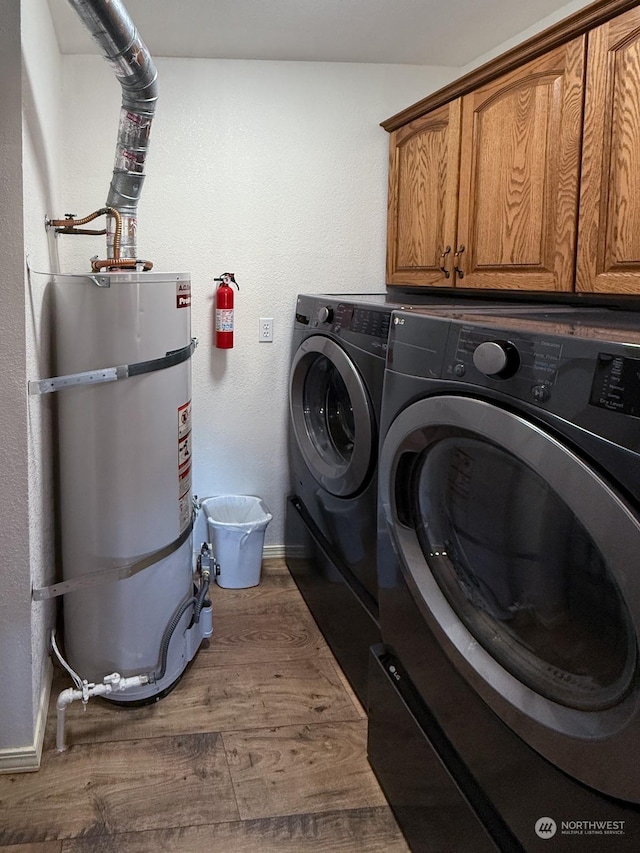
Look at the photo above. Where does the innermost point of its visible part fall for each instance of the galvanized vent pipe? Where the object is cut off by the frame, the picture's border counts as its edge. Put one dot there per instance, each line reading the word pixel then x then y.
pixel 112 29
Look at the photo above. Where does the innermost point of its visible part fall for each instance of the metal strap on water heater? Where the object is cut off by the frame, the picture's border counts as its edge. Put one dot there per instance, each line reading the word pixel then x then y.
pixel 113 573
pixel 111 374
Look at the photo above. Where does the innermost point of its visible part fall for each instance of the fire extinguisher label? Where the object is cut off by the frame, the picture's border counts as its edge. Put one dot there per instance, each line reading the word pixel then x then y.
pixel 183 294
pixel 224 320
pixel 184 465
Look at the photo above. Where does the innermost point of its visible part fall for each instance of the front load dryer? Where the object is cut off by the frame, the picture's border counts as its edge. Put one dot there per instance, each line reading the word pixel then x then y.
pixel 509 586
pixel 335 391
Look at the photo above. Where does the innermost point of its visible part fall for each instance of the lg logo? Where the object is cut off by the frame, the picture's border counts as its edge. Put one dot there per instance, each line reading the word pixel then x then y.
pixel 546 827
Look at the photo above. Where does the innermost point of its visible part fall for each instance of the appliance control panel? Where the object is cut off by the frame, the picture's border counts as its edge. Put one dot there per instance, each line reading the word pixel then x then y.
pixel 616 384
pixel 364 326
pixel 360 321
pixel 531 364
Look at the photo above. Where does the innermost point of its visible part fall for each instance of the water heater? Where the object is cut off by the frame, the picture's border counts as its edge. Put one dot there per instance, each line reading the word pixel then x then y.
pixel 125 501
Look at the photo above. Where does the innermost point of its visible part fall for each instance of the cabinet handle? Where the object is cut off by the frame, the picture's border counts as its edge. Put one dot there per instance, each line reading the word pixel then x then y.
pixel 443 260
pixel 458 271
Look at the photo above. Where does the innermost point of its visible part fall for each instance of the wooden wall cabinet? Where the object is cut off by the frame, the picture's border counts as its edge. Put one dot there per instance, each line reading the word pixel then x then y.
pixel 483 191
pixel 527 179
pixel 519 172
pixel 424 159
pixel 609 220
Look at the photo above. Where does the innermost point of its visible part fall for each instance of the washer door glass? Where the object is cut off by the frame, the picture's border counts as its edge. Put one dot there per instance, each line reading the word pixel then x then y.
pixel 522 573
pixel 331 416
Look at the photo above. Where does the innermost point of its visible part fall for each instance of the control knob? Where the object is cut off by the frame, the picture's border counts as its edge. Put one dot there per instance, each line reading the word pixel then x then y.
pixel 325 314
pixel 496 358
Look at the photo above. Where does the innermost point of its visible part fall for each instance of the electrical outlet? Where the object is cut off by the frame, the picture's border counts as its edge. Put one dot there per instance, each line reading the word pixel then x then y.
pixel 265 333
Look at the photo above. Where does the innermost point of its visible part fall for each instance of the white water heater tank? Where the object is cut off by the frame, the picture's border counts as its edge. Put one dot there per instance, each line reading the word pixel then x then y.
pixel 125 474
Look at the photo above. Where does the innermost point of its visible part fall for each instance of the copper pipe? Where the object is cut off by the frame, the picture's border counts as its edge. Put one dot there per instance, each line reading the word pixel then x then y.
pixel 69 226
pixel 73 230
pixel 70 223
pixel 120 263
pixel 69 218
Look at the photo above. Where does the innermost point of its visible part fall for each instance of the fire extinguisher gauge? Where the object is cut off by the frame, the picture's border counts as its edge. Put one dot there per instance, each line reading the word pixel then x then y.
pixel 227 278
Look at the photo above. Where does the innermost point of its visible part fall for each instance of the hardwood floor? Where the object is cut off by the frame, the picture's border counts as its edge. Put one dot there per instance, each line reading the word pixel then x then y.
pixel 261 748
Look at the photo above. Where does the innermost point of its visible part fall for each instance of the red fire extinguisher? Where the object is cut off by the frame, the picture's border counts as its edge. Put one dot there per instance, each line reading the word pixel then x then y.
pixel 224 310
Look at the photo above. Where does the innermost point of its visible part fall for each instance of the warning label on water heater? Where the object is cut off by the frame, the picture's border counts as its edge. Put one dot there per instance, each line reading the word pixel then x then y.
pixel 184 465
pixel 184 420
pixel 183 294
pixel 184 511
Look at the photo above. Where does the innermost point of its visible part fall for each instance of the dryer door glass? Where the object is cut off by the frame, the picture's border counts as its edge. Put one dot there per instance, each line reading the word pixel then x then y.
pixel 522 573
pixel 328 412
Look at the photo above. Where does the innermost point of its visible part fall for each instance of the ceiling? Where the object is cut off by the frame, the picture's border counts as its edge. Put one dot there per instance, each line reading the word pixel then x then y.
pixel 422 32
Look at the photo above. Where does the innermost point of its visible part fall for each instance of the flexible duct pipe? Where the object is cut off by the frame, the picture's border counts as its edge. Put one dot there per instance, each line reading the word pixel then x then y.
pixel 112 29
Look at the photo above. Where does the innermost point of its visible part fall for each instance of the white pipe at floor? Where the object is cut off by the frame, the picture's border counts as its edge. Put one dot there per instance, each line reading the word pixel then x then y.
pixel 113 683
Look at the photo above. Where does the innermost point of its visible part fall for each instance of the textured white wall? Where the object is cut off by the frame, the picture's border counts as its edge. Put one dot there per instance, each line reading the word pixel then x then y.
pixel 29 98
pixel 16 713
pixel 273 170
pixel 41 130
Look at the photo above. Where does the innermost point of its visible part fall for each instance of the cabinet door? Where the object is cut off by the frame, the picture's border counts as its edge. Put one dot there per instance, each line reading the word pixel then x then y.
pixel 423 190
pixel 609 222
pixel 519 171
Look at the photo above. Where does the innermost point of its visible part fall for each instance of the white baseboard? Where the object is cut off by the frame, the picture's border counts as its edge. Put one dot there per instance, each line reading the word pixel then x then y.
pixel 25 759
pixel 273 552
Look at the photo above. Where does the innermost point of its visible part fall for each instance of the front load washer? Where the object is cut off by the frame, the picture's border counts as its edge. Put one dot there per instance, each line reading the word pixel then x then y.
pixel 509 577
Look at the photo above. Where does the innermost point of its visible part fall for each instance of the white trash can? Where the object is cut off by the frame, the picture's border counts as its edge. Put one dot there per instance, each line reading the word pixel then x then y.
pixel 236 525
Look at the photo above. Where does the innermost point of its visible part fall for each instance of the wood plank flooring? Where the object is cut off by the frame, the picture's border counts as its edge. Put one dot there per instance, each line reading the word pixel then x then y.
pixel 261 748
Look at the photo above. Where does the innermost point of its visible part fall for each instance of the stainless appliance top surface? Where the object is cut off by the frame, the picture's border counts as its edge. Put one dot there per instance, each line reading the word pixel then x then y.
pixel 589 323
pixel 408 302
